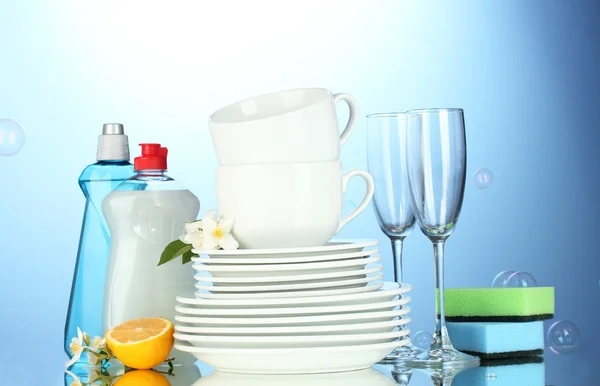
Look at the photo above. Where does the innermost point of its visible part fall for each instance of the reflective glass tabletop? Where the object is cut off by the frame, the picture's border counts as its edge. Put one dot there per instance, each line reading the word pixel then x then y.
pixel 551 369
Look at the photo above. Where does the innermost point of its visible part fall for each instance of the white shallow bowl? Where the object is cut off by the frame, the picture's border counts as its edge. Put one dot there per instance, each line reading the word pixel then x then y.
pixel 341 329
pixel 291 294
pixel 308 286
pixel 333 247
pixel 276 259
pixel 293 360
pixel 387 292
pixel 194 309
pixel 292 341
pixel 283 321
pixel 288 279
pixel 270 270
pixel 366 377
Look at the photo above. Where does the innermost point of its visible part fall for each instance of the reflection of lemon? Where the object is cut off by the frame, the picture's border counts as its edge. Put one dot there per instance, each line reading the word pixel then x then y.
pixel 142 378
pixel 141 343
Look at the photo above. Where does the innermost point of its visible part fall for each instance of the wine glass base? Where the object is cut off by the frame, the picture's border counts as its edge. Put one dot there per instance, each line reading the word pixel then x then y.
pixel 442 358
pixel 401 354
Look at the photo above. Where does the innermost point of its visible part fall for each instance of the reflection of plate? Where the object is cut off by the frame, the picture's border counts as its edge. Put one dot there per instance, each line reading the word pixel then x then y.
pixel 306 287
pixel 277 259
pixel 334 246
pixel 289 311
pixel 357 328
pixel 292 361
pixel 367 377
pixel 291 294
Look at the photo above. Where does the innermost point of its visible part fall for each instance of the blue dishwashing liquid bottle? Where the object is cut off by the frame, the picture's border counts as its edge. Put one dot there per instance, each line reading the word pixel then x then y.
pixel 96 182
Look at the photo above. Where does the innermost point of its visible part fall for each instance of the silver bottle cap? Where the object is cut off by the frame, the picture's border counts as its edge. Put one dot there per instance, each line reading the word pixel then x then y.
pixel 113 144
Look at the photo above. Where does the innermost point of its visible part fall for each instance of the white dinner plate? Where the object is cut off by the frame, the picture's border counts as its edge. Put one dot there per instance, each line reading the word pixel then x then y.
pixel 333 247
pixel 289 279
pixel 355 328
pixel 291 294
pixel 292 341
pixel 364 377
pixel 194 309
pixel 293 360
pixel 388 292
pixel 279 321
pixel 270 270
pixel 308 286
pixel 276 259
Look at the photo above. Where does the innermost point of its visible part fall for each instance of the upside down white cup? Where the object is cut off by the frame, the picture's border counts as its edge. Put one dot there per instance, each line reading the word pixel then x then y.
pixel 286 205
pixel 288 126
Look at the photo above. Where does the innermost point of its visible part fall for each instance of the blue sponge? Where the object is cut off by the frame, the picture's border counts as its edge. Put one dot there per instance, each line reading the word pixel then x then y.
pixel 529 374
pixel 493 340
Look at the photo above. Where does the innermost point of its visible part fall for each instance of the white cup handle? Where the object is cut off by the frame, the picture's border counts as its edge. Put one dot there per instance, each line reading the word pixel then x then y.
pixel 367 198
pixel 353 106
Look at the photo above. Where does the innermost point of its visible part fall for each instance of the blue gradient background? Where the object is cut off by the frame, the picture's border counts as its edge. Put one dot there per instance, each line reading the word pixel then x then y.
pixel 526 73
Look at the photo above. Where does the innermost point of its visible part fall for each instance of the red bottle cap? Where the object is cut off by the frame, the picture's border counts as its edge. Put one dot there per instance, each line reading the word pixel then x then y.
pixel 154 157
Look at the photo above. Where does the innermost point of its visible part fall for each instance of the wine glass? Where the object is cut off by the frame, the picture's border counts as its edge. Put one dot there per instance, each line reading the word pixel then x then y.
pixel 386 153
pixel 436 160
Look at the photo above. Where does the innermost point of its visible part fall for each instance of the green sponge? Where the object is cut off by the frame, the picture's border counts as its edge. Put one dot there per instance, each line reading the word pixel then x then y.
pixel 499 304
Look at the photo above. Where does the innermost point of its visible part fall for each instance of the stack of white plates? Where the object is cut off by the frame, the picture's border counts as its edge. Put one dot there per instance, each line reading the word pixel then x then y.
pixel 307 310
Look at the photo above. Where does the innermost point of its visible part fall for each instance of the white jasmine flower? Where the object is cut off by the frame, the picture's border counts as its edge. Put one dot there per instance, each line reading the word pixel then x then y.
pixel 93 376
pixel 76 380
pixel 217 233
pixel 93 359
pixel 98 343
pixel 76 348
pixel 195 237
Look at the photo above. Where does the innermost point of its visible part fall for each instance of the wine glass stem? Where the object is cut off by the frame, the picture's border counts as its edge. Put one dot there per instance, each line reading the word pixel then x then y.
pixel 440 338
pixel 397 252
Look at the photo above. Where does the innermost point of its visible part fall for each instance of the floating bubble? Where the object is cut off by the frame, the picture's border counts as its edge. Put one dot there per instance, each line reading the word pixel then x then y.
pixel 490 376
pixel 563 337
pixel 12 137
pixel 483 178
pixel 347 207
pixel 502 278
pixel 422 339
pixel 521 279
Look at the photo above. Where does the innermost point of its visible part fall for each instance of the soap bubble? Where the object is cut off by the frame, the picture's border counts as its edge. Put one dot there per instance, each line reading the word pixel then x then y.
pixel 347 207
pixel 490 376
pixel 483 178
pixel 422 339
pixel 563 337
pixel 521 279
pixel 502 278
pixel 12 137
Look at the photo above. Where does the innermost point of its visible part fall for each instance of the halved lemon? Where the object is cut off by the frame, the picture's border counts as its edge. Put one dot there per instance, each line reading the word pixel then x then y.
pixel 142 378
pixel 141 343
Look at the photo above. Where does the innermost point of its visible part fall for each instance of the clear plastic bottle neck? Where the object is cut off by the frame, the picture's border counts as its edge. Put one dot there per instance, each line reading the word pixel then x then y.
pixel 151 175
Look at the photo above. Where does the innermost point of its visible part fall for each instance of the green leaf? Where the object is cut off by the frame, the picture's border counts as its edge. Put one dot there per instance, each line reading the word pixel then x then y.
pixel 187 257
pixel 86 339
pixel 173 250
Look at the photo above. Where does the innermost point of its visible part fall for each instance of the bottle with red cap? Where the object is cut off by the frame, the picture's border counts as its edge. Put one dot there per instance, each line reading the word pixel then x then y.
pixel 144 214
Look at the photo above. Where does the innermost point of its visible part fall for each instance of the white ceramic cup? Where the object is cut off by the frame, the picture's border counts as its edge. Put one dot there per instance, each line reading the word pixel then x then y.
pixel 286 205
pixel 288 126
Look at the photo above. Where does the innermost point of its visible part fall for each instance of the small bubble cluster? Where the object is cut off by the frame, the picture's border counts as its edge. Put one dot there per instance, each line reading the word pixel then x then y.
pixel 514 279
pixel 422 339
pixel 563 337
pixel 12 137
pixel 490 376
pixel 347 207
pixel 483 178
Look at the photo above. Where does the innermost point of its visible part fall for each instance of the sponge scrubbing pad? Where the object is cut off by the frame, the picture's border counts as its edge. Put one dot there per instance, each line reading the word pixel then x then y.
pixel 492 340
pixel 499 304
pixel 528 372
